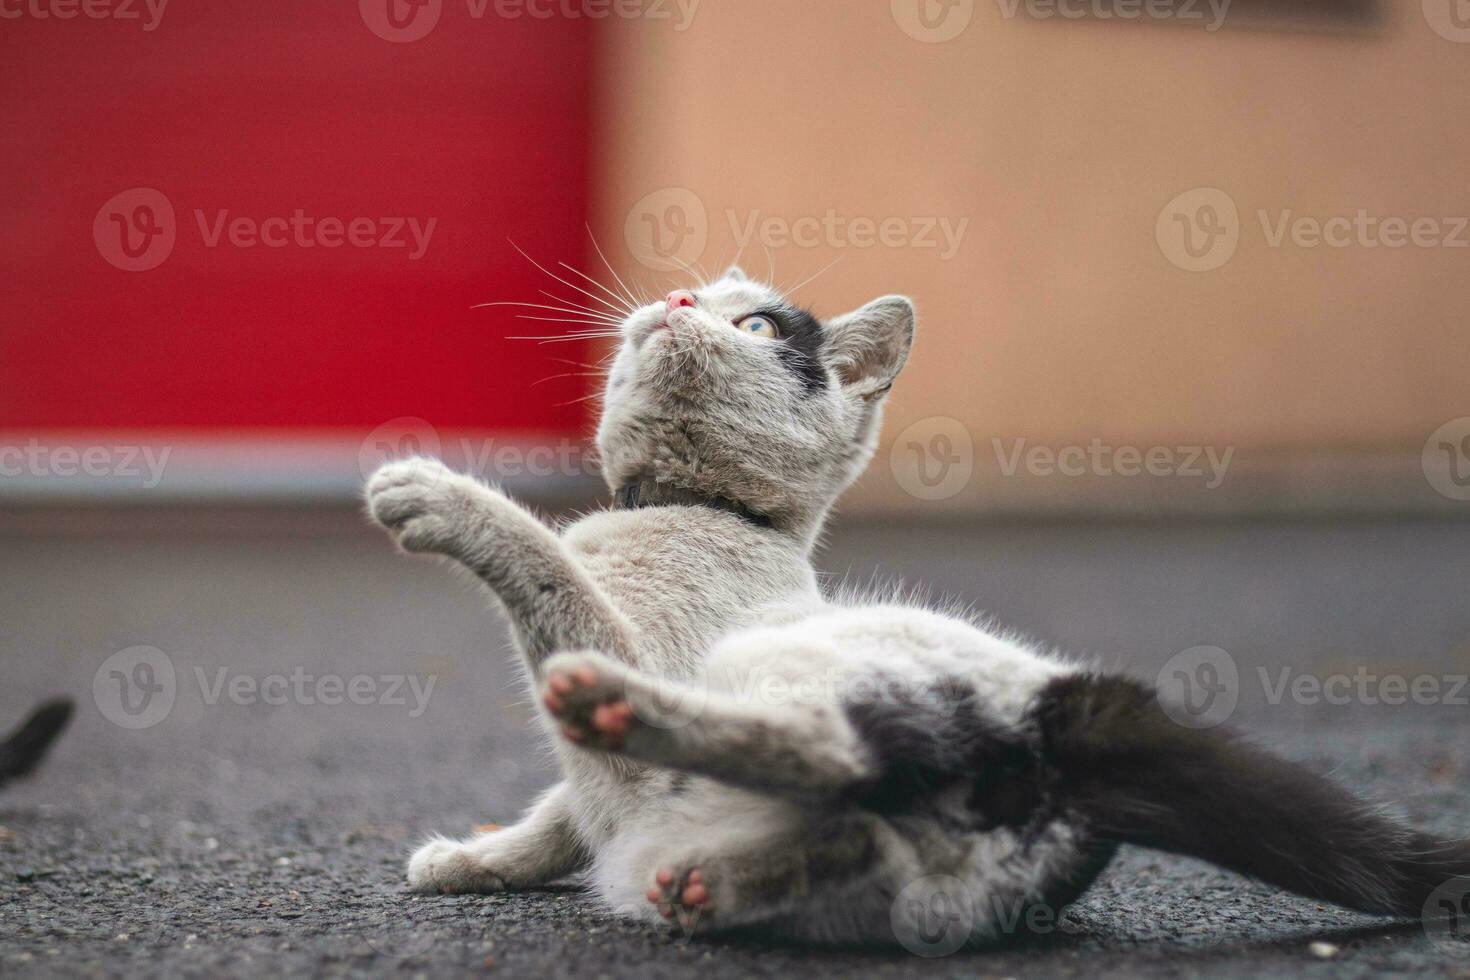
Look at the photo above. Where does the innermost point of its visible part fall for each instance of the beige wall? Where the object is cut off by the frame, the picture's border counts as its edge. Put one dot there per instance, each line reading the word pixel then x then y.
pixel 1060 319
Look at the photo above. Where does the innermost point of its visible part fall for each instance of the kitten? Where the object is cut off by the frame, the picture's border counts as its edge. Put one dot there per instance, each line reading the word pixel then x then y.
pixel 739 750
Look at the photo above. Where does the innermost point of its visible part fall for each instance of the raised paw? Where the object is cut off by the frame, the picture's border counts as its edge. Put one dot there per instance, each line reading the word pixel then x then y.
pixel 586 693
pixel 682 896
pixel 422 502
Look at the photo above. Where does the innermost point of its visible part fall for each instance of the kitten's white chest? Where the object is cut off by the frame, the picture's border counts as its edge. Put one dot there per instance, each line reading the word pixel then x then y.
pixel 685 576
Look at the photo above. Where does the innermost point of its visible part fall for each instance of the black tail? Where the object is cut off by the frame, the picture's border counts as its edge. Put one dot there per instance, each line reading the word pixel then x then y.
pixel 1140 778
pixel 24 749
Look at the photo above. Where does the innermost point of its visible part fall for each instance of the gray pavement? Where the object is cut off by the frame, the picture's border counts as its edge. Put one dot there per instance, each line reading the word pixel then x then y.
pixel 237 837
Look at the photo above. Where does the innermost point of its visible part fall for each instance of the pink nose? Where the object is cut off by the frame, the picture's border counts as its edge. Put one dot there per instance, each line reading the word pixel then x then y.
pixel 680 298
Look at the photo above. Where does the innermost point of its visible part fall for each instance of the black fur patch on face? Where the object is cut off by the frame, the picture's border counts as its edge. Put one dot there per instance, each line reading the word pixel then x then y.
pixel 800 346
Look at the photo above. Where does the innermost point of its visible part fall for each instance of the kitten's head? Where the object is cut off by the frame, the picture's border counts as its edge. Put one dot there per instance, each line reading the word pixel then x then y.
pixel 731 390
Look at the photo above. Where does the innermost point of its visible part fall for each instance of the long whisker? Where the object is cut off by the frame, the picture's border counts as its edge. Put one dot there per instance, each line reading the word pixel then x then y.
pixel 578 401
pixel 605 317
pixel 809 279
pixel 569 285
pixel 561 339
pixel 577 364
pixel 580 306
pixel 561 319
pixel 698 274
pixel 688 269
pixel 617 278
pixel 569 374
pixel 626 308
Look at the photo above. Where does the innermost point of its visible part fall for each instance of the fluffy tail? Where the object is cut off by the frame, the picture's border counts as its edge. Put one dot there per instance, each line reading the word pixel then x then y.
pixel 24 749
pixel 1140 778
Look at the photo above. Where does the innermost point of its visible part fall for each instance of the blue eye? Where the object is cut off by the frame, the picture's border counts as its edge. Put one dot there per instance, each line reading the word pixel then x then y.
pixel 760 326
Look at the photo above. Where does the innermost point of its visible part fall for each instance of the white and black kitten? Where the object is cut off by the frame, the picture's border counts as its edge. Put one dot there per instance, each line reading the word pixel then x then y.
pixel 740 750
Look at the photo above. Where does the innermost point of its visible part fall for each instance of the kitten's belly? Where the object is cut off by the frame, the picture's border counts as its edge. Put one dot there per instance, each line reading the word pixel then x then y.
pixel 686 576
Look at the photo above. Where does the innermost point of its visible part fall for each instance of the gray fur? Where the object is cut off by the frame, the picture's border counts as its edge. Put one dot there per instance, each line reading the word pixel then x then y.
pixel 692 617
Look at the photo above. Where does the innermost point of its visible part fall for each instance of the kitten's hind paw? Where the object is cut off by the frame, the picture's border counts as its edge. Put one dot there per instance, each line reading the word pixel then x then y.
pixel 586 693
pixel 682 896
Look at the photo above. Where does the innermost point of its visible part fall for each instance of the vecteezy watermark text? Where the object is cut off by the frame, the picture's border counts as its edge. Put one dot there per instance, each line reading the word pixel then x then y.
pixel 1098 459
pixel 1200 229
pixel 1184 11
pixel 122 10
pixel 402 21
pixel 137 688
pixel 937 915
pixel 1202 686
pixel 136 230
pixel 835 230
pixel 300 687
pixel 144 464
pixel 302 230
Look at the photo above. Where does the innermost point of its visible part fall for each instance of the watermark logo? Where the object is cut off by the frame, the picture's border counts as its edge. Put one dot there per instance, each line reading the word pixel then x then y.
pixel 1198 231
pixel 135 688
pixel 400 21
pixel 1446 915
pixel 1450 19
pixel 668 704
pixel 1446 459
pixel 933 459
pixel 135 230
pixel 934 916
pixel 938 914
pixel 667 230
pixel 490 459
pixel 401 438
pixel 1199 687
pixel 121 10
pixel 932 21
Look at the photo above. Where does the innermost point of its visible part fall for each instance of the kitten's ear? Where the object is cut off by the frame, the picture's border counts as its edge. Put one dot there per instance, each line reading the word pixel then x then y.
pixel 869 346
pixel 735 273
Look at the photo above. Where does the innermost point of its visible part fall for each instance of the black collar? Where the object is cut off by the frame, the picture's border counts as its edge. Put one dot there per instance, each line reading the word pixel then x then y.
pixel 651 493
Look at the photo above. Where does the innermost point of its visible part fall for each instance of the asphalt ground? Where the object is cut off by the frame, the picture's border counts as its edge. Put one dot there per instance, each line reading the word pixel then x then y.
pixel 226 835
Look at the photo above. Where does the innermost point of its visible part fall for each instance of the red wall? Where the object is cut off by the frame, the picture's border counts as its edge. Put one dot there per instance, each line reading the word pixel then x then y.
pixel 260 109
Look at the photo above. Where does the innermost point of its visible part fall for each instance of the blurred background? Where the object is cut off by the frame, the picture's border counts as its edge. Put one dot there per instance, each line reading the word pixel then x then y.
pixel 1112 220
pixel 1189 391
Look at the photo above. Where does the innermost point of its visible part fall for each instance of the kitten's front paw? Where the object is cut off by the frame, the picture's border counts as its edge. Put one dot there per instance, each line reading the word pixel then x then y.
pixel 450 868
pixel 586 692
pixel 423 503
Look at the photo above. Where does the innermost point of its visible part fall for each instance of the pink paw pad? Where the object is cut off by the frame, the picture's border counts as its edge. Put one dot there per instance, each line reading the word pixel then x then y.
pixel 589 715
pixel 685 896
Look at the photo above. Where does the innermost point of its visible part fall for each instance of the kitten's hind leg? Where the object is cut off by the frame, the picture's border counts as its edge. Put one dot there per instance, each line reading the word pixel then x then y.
pixel 800 750
pixel 738 879
pixel 538 849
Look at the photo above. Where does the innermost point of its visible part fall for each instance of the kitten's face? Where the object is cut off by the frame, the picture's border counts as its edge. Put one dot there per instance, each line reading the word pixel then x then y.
pixel 731 390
